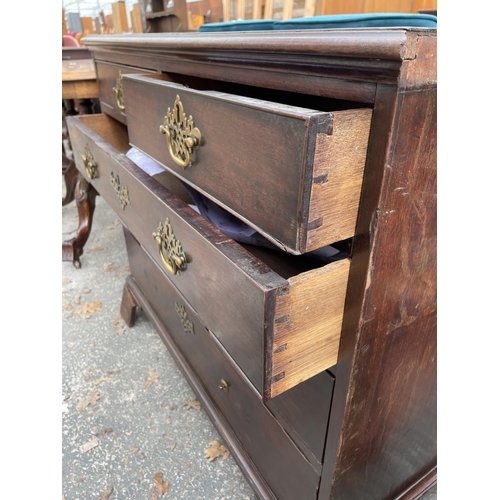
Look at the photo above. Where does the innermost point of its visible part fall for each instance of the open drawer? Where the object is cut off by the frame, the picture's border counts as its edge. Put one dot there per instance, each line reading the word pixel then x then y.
pixel 292 173
pixel 109 80
pixel 278 316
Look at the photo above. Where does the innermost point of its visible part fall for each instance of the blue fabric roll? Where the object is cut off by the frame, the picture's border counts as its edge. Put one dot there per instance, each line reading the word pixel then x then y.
pixel 375 20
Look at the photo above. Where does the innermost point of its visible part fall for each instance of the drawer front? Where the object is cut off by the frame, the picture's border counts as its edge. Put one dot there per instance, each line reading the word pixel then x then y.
pixel 284 468
pixel 279 331
pixel 109 80
pixel 292 174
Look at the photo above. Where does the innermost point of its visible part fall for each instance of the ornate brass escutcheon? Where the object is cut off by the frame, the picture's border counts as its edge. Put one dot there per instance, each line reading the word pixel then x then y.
pixel 118 90
pixel 182 136
pixel 182 313
pixel 121 191
pixel 170 248
pixel 89 163
pixel 224 386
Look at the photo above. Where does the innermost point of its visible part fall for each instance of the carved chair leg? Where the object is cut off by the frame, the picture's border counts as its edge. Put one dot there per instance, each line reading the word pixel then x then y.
pixel 70 178
pixel 128 306
pixel 85 201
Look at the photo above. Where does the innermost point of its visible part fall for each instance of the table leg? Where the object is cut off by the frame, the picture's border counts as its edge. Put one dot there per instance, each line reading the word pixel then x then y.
pixel 85 201
pixel 70 173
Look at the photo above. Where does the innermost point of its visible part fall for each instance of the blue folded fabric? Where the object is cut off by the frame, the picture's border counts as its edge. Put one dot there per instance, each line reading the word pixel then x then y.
pixel 250 25
pixel 375 20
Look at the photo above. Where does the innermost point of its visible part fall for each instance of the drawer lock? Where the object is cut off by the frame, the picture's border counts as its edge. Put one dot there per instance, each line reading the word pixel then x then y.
pixel 182 136
pixel 170 248
pixel 89 163
pixel 224 386
pixel 118 90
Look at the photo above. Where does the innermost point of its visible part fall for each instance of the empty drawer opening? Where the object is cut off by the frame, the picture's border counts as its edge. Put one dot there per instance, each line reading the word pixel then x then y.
pixel 306 101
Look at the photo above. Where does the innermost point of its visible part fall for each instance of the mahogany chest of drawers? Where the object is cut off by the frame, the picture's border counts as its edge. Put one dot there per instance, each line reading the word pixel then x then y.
pixel 279 209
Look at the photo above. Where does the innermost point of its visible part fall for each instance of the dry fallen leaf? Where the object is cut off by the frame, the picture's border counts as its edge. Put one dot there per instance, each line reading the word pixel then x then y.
pixel 194 403
pixel 173 446
pixel 106 494
pixel 117 319
pixel 161 487
pixel 91 399
pixel 101 380
pixel 169 420
pixel 86 290
pixel 120 329
pixel 67 307
pixel 65 281
pixel 77 299
pixel 67 316
pixel 119 324
pixel 89 307
pixel 125 460
pixel 113 372
pixel 153 496
pixel 95 249
pixel 152 377
pixel 216 450
pixel 133 450
pixel 109 266
pixel 89 445
pixel 102 432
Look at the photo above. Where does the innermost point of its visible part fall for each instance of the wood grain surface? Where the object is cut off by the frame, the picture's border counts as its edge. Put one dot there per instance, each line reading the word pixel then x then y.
pixel 219 267
pixel 337 177
pixel 260 434
pixel 107 75
pixel 307 326
pixel 257 158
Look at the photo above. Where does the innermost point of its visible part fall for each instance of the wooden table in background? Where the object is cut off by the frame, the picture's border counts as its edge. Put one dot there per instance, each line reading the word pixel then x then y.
pixel 78 84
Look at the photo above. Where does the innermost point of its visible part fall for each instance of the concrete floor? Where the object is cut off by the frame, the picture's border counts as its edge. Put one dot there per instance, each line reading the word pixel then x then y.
pixel 133 431
pixel 118 429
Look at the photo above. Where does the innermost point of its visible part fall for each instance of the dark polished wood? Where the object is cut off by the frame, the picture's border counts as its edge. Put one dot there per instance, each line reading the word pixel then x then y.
pixel 107 79
pixel 70 173
pixel 285 469
pixel 376 439
pixel 78 84
pixel 292 191
pixel 267 314
pixel 85 201
pixel 252 474
pixel 128 307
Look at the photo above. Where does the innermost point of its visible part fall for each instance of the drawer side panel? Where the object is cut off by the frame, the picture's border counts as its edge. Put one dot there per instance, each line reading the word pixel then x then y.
pixel 337 178
pixel 307 325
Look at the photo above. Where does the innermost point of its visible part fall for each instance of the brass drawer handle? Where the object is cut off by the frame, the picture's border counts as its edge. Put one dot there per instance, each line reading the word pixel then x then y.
pixel 121 191
pixel 224 386
pixel 118 90
pixel 183 316
pixel 182 136
pixel 89 163
pixel 170 248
